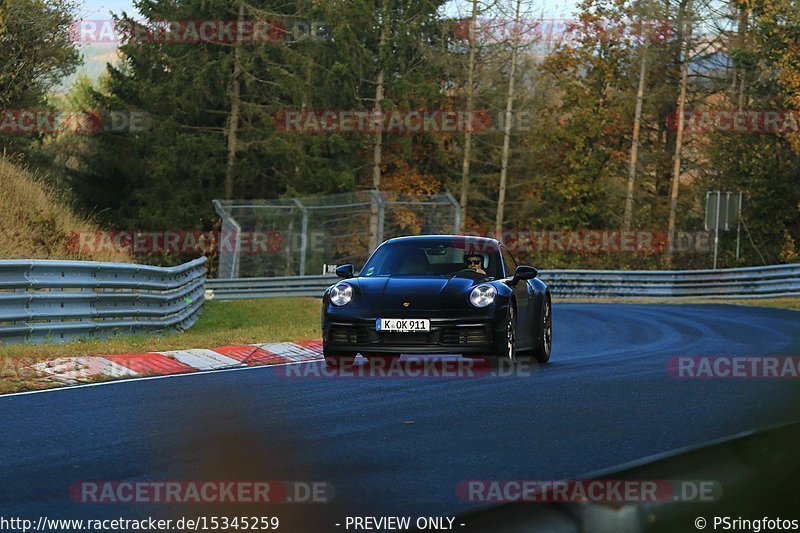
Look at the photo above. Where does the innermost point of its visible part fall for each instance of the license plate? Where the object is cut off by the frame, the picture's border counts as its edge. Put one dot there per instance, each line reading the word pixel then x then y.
pixel 404 325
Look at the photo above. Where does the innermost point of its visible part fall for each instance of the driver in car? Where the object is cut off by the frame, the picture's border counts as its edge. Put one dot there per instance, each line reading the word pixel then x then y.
pixel 474 262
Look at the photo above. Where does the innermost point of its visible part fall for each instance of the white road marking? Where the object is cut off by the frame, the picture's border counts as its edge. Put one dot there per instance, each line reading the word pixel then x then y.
pixel 290 351
pixel 202 359
pixel 71 369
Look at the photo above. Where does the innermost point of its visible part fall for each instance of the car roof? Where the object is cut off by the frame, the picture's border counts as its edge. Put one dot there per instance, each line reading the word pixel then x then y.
pixel 486 241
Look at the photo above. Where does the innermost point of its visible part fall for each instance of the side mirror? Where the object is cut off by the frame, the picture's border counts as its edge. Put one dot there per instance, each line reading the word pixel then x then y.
pixel 345 271
pixel 524 272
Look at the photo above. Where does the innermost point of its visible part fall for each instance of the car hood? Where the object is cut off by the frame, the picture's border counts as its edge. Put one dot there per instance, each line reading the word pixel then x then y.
pixel 419 292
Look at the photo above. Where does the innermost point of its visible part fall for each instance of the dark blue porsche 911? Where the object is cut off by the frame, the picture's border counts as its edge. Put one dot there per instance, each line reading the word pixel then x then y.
pixel 438 295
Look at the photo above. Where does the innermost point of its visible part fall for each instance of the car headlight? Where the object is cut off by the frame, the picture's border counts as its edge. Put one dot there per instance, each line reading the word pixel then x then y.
pixel 482 295
pixel 341 294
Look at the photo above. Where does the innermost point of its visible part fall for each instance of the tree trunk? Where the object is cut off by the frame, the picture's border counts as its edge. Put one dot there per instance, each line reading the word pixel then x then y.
pixel 304 105
pixel 676 169
pixel 233 120
pixel 465 163
pixel 637 120
pixel 742 37
pixel 378 146
pixel 501 198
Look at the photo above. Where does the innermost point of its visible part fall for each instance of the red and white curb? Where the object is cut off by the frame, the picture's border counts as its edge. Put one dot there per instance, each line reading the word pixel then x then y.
pixel 72 370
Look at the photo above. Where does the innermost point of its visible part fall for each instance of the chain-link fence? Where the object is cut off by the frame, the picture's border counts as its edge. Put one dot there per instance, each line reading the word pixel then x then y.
pixel 302 236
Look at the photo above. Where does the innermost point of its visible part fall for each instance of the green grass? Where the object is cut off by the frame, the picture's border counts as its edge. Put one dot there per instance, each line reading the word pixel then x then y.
pixel 233 322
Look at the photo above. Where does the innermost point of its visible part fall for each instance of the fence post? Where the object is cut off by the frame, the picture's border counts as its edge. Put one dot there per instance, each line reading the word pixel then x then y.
pixel 228 259
pixel 457 213
pixel 304 236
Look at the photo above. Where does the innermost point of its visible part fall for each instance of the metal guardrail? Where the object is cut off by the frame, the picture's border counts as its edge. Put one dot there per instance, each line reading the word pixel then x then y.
pixel 56 301
pixel 750 282
pixel 244 288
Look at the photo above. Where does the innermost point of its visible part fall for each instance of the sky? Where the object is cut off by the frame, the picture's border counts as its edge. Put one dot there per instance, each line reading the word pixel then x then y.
pixel 99 9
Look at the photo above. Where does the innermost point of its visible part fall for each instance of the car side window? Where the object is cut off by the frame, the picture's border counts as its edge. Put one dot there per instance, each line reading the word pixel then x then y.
pixel 508 261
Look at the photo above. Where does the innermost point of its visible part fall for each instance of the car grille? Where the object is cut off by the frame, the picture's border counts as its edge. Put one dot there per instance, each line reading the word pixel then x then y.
pixel 404 338
pixel 444 335
pixel 349 335
pixel 465 335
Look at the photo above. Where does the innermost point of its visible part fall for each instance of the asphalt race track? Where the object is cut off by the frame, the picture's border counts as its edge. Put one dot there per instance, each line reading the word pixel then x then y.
pixel 401 445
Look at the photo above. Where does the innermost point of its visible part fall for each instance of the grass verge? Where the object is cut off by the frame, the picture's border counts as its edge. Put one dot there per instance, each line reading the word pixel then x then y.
pixel 222 323
pixel 233 322
pixel 39 224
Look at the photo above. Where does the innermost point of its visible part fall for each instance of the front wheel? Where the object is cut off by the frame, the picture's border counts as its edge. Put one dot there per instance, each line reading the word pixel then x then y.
pixel 507 352
pixel 545 343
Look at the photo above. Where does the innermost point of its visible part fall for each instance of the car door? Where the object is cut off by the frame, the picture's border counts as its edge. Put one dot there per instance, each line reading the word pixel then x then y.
pixel 523 296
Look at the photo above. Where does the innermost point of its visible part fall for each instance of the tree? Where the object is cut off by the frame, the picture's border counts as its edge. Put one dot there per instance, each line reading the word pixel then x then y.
pixel 216 108
pixel 470 108
pixel 637 122
pixel 36 51
pixel 233 118
pixel 501 196
pixel 377 150
pixel 764 163
pixel 684 20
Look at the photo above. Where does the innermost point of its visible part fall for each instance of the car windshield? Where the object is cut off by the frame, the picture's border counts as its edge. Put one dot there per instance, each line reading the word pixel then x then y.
pixel 433 259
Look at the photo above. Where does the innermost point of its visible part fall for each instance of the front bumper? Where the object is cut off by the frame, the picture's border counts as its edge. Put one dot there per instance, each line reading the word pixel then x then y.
pixel 446 336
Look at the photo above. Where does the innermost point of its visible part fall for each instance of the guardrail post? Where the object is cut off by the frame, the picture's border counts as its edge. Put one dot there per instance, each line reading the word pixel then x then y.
pixel 716 230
